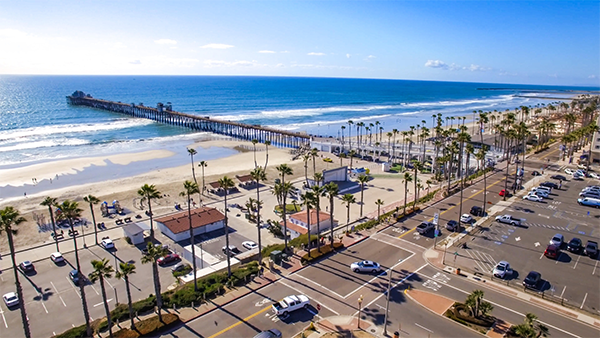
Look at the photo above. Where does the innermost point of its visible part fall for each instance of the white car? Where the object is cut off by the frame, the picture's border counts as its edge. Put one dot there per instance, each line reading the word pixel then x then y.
pixel 557 240
pixel 57 257
pixel 289 304
pixel 249 245
pixel 107 243
pixel 502 269
pixel 11 299
pixel 539 192
pixel 533 198
pixel 569 171
pixel 594 175
pixel 466 218
pixel 365 266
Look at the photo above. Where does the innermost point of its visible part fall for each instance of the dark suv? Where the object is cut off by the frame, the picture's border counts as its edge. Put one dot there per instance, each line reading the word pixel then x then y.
pixel 575 245
pixel 549 185
pixel 591 249
pixel 476 211
pixel 532 280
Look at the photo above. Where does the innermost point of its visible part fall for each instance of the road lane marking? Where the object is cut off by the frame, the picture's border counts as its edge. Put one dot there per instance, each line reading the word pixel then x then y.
pixel 315 283
pixel 397 246
pixel 325 306
pixel 584 298
pixel 563 292
pixel 379 275
pixel 239 322
pixel 95 290
pixel 108 301
pixel 73 286
pixel 578 257
pixel 424 328
pixel 58 293
pixel 3 318
pixel 595 266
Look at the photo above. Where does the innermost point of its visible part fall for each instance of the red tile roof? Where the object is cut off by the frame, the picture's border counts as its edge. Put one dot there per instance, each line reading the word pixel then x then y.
pixel 297 228
pixel 301 217
pixel 244 178
pixel 179 222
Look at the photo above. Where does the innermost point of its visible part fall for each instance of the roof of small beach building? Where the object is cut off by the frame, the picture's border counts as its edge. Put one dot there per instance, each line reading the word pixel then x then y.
pixel 244 178
pixel 178 222
pixel 301 217
pixel 215 184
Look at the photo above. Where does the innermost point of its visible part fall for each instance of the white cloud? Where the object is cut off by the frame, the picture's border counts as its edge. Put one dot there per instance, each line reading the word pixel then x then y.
pixel 370 57
pixel 136 62
pixel 453 66
pixel 165 42
pixel 315 54
pixel 592 77
pixel 221 63
pixel 553 75
pixel 279 65
pixel 217 46
pixel 266 52
pixel 475 68
pixel 284 52
pixel 436 64
pixel 348 56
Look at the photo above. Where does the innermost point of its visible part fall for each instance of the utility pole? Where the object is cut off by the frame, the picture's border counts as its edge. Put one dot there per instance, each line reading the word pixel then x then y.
pixel 387 303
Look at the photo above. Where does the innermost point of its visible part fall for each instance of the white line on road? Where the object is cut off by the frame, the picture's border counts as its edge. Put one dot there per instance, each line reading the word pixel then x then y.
pixel 578 257
pixel 73 286
pixel 595 266
pixel 584 298
pixel 562 293
pixel 381 307
pixel 379 275
pixel 44 305
pixel 558 258
pixel 3 318
pixel 95 290
pixel 108 300
pixel 323 305
pixel 55 289
pixel 424 328
pixel 319 285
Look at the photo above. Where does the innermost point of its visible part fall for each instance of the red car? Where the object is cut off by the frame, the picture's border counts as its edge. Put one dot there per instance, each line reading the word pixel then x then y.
pixel 552 251
pixel 503 192
pixel 170 258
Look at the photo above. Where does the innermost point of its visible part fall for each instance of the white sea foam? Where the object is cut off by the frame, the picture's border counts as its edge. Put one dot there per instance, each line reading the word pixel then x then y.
pixel 498 99
pixel 44 144
pixel 73 128
pixel 286 113
pixel 295 126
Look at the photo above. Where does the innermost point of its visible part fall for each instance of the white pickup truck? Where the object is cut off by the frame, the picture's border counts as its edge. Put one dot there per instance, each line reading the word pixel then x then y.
pixel 289 304
pixel 508 219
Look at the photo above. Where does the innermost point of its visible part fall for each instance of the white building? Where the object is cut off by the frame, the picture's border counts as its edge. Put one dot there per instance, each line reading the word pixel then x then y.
pixel 177 226
pixel 595 155
pixel 134 232
pixel 297 223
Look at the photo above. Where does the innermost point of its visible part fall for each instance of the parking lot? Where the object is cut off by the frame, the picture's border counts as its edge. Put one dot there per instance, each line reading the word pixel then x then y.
pixel 571 278
pixel 52 300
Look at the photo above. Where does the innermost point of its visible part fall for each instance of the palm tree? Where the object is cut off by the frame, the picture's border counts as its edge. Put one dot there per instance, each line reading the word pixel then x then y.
pixel 418 166
pixel 352 153
pixel 305 159
pixel 379 203
pixel 463 138
pixel 102 271
pixel 190 188
pixel 362 180
pixel 254 142
pixel 332 190
pixel 69 210
pixel 318 192
pixel 267 144
pixel 348 199
pixel 314 152
pixel 193 152
pixel 149 193
pixel 9 219
pixel 407 178
pixel 203 164
pixel 126 269
pixel 350 123
pixel 481 157
pixel 308 200
pixel 49 202
pixel 153 253
pixel 258 174
pixel 91 199
pixel 284 170
pixel 226 183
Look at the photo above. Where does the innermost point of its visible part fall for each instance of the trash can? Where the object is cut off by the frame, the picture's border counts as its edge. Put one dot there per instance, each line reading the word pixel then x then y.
pixel 396 334
pixel 458 271
pixel 276 256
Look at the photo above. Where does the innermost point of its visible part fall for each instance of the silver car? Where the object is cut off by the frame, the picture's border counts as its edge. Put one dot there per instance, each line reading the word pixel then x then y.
pixel 365 266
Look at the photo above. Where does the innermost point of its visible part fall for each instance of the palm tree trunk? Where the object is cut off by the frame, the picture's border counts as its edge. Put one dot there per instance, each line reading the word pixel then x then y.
pixel 362 190
pixel 283 212
pixel 94 220
pixel 258 222
pixel 129 302
pixel 86 312
pixel 331 220
pixel 308 227
pixel 54 227
pixel 415 191
pixel 24 319
pixel 192 243
pixel 462 182
pixel 157 289
pixel 106 309
pixel 405 194
pixel 151 226
pixel 319 224
pixel 227 238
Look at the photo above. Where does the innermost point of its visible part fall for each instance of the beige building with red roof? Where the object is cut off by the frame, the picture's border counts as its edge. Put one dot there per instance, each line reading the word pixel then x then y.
pixel 297 223
pixel 177 226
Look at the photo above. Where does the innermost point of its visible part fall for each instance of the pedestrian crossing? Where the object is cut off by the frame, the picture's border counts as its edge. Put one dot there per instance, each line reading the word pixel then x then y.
pixel 540 225
pixel 484 262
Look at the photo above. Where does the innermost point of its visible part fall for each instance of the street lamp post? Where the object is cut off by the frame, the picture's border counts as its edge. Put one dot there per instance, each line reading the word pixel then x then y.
pixel 360 300
pixel 387 303
pixel 201 257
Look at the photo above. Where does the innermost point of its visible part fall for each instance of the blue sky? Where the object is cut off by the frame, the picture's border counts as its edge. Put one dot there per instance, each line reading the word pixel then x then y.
pixel 528 42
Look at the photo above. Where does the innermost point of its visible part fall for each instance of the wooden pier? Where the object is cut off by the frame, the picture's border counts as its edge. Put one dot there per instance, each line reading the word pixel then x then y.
pixel 165 114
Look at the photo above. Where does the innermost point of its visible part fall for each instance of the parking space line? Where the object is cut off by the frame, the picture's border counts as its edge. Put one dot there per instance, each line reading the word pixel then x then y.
pixel 239 322
pixel 595 266
pixel 3 318
pixel 379 275
pixel 95 289
pixel 563 292
pixel 578 257
pixel 58 293
pixel 73 286
pixel 424 328
pixel 584 298
pixel 315 283
pixel 558 258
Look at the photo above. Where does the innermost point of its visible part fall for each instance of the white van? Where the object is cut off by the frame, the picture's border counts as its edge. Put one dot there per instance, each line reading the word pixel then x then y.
pixel 547 189
pixel 590 202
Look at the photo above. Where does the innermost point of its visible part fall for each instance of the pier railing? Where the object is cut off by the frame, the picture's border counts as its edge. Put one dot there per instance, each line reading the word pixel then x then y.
pixel 165 114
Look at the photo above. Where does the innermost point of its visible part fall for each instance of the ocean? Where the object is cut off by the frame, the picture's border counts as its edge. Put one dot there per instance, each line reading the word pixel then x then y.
pixel 37 125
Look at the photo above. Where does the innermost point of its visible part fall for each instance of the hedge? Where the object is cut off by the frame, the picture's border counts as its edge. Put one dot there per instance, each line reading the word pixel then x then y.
pixel 79 331
pixel 315 253
pixel 148 327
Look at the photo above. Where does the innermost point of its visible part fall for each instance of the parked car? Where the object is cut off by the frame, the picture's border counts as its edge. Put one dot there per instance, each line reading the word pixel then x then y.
pixel 502 269
pixel 167 259
pixel 595 175
pixel 289 304
pixel 26 266
pixel 552 251
pixel 558 177
pixel 508 219
pixel 549 185
pixel 10 299
pixel 453 226
pixel 532 280
pixel 591 194
pixel 180 267
pixel 57 257
pixel 107 243
pixel 74 275
pixel 569 171
pixel 272 333
pixel 591 249
pixel 466 218
pixel 365 266
pixel 503 192
pixel 249 245
pixel 231 251
pixel 575 245
pixel 557 240
pixel 589 201
pixel 533 197
pixel 547 189
pixel 476 211
pixel 145 249
pixel 535 173
pixel 539 192
pixel 425 227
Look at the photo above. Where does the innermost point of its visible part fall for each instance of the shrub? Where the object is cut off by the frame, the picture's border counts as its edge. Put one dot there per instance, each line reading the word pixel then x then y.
pixel 266 251
pixel 315 254
pixel 148 326
pixel 76 332
pixel 183 272
pixel 289 209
